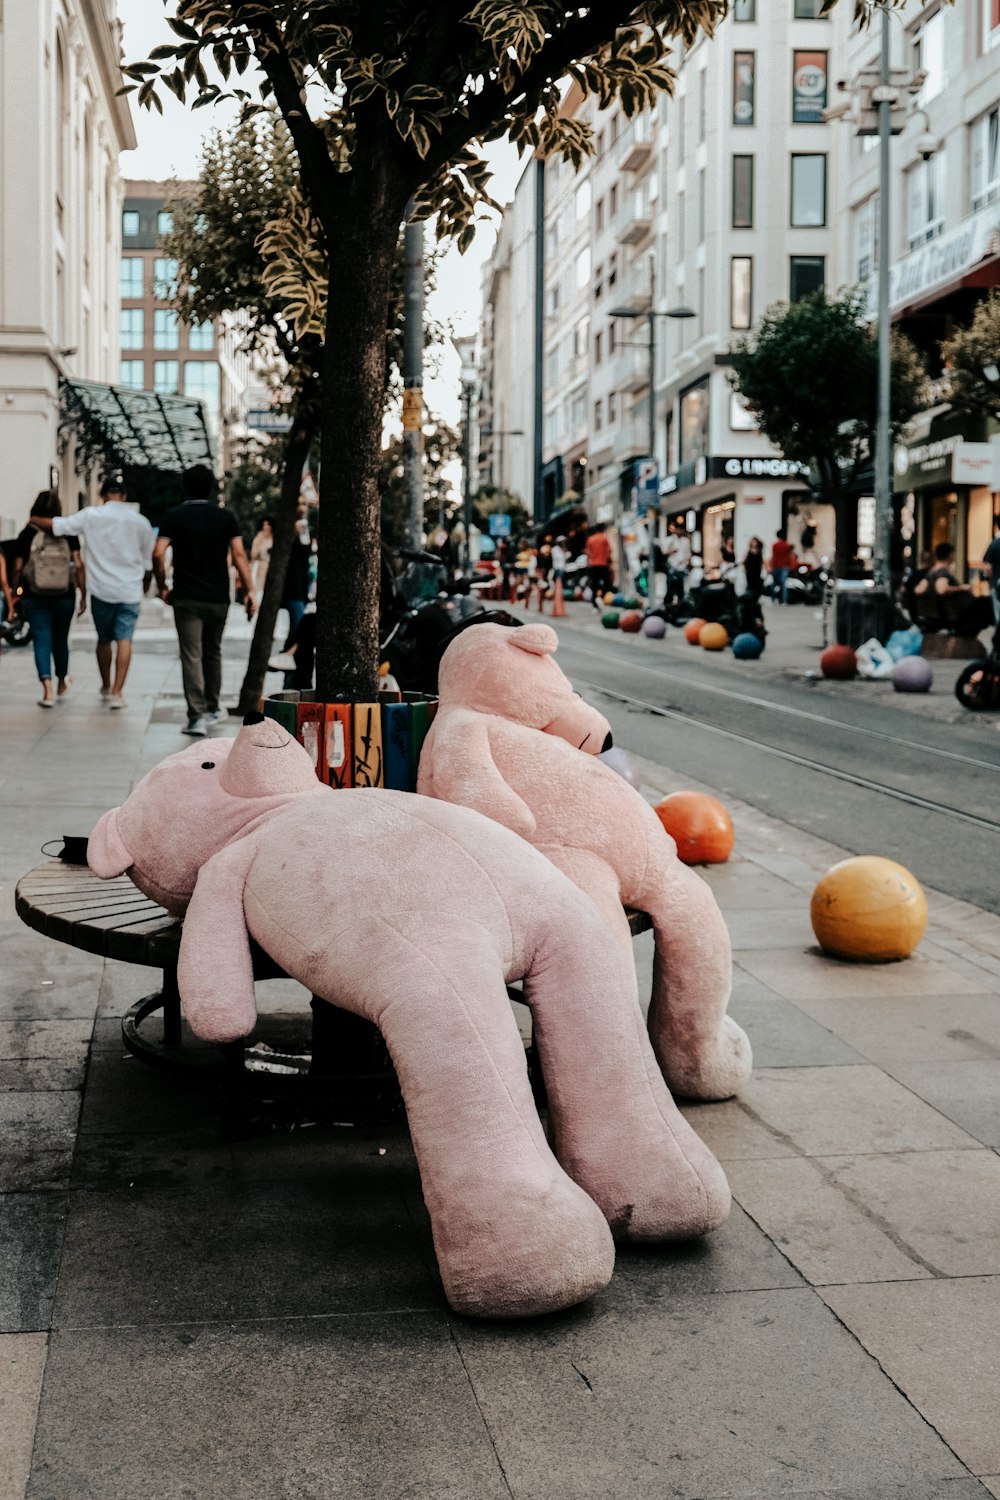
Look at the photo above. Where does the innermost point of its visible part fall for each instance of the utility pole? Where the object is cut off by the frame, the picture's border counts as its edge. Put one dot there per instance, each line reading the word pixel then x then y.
pixel 884 518
pixel 413 380
pixel 651 392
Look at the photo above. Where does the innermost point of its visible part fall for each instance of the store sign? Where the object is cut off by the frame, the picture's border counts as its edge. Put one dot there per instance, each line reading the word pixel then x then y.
pixel 809 73
pixel 263 419
pixel 705 469
pixel 947 258
pixel 976 464
pixel 923 464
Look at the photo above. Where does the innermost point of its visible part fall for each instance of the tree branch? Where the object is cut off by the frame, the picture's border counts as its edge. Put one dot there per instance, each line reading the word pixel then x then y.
pixel 310 143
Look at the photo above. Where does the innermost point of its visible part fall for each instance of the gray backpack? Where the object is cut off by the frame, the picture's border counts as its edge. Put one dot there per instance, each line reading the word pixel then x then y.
pixel 49 569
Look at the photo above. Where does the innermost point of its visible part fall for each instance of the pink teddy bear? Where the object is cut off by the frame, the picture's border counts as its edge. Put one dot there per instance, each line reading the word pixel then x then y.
pixel 416 915
pixel 507 741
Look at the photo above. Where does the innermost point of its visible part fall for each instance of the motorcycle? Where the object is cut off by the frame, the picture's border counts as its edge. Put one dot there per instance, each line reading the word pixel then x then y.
pixel 807 583
pixel 978 685
pixel 422 611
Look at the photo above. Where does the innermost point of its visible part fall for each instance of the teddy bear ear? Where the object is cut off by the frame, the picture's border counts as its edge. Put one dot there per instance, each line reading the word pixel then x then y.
pixel 539 640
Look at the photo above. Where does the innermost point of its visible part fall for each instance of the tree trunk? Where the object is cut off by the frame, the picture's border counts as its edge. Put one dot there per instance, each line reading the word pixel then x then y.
pixel 354 379
pixel 296 452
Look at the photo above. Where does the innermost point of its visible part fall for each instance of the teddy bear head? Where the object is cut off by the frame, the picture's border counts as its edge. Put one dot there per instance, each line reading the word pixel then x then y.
pixel 510 672
pixel 196 802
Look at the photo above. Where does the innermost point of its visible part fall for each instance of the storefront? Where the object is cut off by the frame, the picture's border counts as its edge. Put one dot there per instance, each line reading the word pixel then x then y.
pixel 932 507
pixel 725 500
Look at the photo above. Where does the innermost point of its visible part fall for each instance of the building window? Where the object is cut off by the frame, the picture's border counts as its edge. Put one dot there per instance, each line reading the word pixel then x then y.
pixel 164 221
pixel 694 427
pixel 809 75
pixel 745 10
pixel 598 282
pixel 165 329
pixel 597 348
pixel 741 418
pixel 613 200
pixel 808 191
pixel 612 408
pixel 582 201
pixel 578 412
pixel 930 55
pixel 597 416
pixel 742 192
pixel 991 24
pixel 986 158
pixel 701 105
pixel 582 268
pixel 201 336
pixel 612 336
pixel 679 221
pixel 132 330
pixel 164 277
pixel 201 382
pixel 130 223
pixel 552 366
pixel 925 200
pixel 599 215
pixel 552 301
pixel 581 337
pixel 131 375
pixel 809 10
pixel 740 291
pixel 166 377
pixel 132 276
pixel 612 270
pixel 701 206
pixel 807 274
pixel 866 238
pixel 743 87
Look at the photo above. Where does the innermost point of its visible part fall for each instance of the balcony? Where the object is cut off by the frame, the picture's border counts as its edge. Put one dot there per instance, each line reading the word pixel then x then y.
pixel 636 155
pixel 632 370
pixel 634 227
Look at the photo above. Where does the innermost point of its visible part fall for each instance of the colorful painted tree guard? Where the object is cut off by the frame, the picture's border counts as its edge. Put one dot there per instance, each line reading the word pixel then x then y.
pixel 358 744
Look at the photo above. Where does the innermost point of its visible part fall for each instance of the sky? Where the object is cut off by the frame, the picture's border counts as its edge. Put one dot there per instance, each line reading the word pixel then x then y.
pixel 169 146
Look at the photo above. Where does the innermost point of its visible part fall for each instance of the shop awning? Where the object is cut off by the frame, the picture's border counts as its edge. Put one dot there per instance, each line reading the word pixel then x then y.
pixel 137 428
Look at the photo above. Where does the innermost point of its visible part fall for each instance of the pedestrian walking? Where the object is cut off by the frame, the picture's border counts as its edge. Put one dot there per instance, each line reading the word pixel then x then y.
pixel 560 560
pixel 260 555
pixel 200 535
pixel 753 567
pixel 295 595
pixel 782 561
pixel 599 563
pixel 991 558
pixel 51 573
pixel 676 554
pixel 118 554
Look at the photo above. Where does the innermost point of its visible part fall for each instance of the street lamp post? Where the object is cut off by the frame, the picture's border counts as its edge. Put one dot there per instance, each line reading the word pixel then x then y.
pixel 882 562
pixel 465 347
pixel 651 316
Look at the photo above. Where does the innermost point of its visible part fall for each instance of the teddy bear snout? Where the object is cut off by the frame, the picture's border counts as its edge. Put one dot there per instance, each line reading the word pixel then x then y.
pixel 608 742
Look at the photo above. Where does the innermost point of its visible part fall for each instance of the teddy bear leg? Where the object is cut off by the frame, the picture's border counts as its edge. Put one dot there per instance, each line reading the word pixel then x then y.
pixel 615 1126
pixel 701 1050
pixel 513 1234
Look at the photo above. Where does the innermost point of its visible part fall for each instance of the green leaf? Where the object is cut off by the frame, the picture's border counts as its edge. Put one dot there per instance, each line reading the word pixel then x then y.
pixel 183 29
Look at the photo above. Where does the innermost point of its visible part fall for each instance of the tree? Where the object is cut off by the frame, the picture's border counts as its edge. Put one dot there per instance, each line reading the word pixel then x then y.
pixel 809 374
pixel 442 446
pixel 490 500
pixel 972 360
pixel 387 103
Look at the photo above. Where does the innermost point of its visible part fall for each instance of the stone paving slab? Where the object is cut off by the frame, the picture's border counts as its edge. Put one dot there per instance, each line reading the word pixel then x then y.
pixel 937 1341
pixel 31 1231
pixel 22 1361
pixel 892 1029
pixel 966 1092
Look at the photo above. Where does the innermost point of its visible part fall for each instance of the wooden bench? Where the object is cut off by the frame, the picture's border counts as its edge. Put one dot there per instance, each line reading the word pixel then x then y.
pixel 328 1055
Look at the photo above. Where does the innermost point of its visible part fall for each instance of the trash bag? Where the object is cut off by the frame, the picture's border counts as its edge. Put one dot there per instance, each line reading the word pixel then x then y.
pixel 874 660
pixel 905 643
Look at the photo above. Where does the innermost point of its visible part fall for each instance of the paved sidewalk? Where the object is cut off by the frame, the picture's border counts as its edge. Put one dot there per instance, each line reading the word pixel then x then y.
pixel 186 1317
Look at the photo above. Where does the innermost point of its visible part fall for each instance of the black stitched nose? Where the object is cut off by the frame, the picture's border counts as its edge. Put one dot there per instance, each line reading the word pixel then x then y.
pixel 608 743
pixel 253 718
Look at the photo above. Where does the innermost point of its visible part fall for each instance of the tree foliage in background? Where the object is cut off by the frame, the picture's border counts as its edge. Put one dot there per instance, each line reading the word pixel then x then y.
pixel 968 355
pixel 490 500
pixel 389 104
pixel 442 446
pixel 809 375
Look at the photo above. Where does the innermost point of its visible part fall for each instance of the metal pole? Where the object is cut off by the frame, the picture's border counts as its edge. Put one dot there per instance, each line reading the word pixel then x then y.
pixel 413 381
pixel 651 396
pixel 467 478
pixel 539 331
pixel 882 560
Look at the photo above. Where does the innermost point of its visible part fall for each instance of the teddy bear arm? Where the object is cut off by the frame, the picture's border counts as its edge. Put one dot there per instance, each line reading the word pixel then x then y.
pixel 465 773
pixel 215 968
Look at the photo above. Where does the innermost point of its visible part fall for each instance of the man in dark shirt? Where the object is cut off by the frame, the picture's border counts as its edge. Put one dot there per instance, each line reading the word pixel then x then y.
pixel 991 557
pixel 201 534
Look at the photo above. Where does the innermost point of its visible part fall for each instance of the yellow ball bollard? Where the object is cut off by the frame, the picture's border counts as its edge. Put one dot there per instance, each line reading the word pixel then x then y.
pixel 713 637
pixel 868 908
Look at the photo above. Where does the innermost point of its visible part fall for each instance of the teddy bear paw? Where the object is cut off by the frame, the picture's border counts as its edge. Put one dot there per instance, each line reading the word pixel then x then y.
pixel 714 1071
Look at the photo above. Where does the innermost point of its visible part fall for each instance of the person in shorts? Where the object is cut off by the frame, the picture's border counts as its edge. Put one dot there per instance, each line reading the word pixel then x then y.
pixel 117 547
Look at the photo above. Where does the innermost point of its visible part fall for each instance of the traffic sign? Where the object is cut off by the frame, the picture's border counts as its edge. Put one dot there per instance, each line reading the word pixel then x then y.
pixel 499 525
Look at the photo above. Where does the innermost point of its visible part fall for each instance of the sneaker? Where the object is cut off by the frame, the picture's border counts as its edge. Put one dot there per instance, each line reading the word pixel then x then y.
pixel 105 694
pixel 195 727
pixel 115 700
pixel 217 716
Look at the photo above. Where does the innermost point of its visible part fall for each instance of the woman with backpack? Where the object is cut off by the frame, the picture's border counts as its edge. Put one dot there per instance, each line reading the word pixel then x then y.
pixel 49 570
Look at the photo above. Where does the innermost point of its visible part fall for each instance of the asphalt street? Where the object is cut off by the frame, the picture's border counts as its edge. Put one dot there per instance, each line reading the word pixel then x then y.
pixel 869 777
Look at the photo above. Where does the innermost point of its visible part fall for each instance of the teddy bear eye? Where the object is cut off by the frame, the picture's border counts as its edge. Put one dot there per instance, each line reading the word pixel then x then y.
pixel 208 765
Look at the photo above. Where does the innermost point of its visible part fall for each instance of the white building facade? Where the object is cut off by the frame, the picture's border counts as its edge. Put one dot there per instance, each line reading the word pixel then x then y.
pixel 61 129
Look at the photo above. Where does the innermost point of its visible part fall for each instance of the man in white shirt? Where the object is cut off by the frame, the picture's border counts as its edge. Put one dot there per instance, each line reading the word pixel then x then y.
pixel 676 553
pixel 118 550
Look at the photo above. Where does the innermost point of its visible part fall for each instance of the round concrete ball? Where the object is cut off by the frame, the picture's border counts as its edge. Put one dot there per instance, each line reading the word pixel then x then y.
pixel 839 662
pixel 699 825
pixel 713 637
pixel 654 627
pixel 610 619
pixel 912 675
pixel 618 601
pixel 631 622
pixel 747 646
pixel 868 908
pixel 608 599
pixel 692 630
pixel 630 602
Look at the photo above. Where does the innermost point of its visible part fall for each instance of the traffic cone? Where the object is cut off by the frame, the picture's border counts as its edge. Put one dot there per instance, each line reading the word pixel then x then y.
pixel 558 603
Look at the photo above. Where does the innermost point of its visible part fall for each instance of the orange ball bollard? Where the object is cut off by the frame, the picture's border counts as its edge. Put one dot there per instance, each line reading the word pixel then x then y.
pixel 868 908
pixel 692 630
pixel 700 827
pixel 839 663
pixel 713 637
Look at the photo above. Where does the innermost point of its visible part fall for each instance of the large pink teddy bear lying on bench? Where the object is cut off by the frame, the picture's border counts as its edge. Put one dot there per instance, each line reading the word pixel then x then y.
pixel 506 741
pixel 416 915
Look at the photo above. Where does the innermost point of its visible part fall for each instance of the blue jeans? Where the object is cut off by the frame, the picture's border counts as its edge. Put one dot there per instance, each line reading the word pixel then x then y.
pixel 50 620
pixel 779 584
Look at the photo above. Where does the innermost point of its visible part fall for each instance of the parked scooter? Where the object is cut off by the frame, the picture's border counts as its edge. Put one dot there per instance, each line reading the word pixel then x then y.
pixel 422 610
pixel 807 583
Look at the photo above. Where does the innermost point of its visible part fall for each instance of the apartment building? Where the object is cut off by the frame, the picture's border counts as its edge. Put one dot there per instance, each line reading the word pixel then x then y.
pixel 62 125
pixel 944 239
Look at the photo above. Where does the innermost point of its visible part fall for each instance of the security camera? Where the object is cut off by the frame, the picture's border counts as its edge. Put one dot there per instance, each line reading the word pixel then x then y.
pixel 927 144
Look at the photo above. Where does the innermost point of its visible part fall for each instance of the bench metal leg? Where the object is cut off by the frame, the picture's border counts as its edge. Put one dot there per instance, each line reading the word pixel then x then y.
pixel 171 1008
